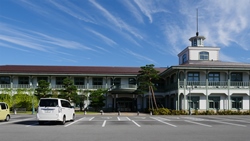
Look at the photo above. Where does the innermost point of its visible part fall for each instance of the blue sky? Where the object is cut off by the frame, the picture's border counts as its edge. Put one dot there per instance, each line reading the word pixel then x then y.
pixel 119 32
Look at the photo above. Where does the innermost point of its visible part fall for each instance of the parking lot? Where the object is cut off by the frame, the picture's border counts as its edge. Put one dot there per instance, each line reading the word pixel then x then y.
pixel 129 127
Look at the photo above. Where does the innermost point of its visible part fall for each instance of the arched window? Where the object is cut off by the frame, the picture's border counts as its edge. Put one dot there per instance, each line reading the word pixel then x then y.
pixel 204 55
pixel 184 58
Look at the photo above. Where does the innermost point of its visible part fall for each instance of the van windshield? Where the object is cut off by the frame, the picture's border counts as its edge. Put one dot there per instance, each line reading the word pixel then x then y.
pixel 48 103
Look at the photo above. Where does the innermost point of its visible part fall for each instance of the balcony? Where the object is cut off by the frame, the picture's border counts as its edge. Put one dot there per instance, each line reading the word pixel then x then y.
pixel 124 88
pixel 216 84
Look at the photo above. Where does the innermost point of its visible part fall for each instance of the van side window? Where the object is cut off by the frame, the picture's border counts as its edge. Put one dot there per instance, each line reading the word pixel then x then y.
pixel 3 106
pixel 65 104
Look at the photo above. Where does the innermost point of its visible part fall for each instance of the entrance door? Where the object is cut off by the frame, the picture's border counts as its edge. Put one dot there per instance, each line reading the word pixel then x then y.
pixel 124 104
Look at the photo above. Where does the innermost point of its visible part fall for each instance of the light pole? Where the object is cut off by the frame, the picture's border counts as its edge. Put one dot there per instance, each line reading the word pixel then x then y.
pixel 33 92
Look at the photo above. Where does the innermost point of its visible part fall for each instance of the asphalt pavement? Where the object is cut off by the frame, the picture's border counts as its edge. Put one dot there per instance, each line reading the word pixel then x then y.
pixel 129 127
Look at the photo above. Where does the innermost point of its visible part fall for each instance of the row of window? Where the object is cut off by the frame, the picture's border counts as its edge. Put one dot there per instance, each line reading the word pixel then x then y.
pixel 214 76
pixel 59 80
pixel 214 102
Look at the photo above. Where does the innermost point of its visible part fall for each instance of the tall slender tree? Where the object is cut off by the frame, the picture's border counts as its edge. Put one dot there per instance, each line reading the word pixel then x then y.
pixel 42 89
pixel 70 90
pixel 146 76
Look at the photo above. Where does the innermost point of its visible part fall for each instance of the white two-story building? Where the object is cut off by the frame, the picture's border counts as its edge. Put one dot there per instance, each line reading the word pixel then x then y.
pixel 201 81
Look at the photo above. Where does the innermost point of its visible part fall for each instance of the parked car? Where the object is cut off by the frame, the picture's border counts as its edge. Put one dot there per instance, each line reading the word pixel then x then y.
pixel 4 111
pixel 55 109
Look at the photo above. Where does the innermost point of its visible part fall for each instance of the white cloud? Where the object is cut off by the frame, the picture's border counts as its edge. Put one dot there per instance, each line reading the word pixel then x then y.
pixel 150 7
pixel 104 38
pixel 138 56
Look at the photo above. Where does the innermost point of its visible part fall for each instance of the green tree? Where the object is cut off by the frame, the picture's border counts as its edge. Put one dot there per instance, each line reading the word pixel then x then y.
pixel 43 90
pixel 146 76
pixel 70 91
pixel 97 99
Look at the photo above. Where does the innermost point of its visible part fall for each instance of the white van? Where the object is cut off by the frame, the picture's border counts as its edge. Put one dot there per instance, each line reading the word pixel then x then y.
pixel 4 111
pixel 55 109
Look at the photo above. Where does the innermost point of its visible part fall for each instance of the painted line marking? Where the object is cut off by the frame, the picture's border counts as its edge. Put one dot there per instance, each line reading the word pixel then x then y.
pixel 91 118
pixel 161 118
pixel 74 122
pixel 228 123
pixel 128 118
pixel 16 121
pixel 118 118
pixel 164 122
pixel 136 123
pixel 198 123
pixel 104 123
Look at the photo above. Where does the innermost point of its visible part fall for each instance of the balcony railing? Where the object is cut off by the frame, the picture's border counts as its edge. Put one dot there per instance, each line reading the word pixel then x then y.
pixel 216 84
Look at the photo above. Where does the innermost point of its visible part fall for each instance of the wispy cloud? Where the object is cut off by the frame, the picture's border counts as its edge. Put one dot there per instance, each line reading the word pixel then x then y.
pixel 150 7
pixel 116 21
pixel 140 57
pixel 104 38
pixel 131 7
pixel 73 10
pixel 36 40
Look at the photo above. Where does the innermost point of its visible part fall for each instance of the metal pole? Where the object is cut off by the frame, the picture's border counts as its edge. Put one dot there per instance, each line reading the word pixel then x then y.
pixel 33 92
pixel 190 100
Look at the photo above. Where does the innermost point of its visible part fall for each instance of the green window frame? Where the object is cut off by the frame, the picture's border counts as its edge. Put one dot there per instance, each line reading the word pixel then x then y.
pixel 116 81
pixel 23 80
pixel 214 76
pixel 97 81
pixel 79 80
pixel 237 102
pixel 4 80
pixel 204 55
pixel 214 102
pixel 194 102
pixel 59 80
pixel 193 76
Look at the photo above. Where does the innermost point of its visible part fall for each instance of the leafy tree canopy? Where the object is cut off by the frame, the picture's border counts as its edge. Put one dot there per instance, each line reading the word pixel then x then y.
pixel 43 89
pixel 97 99
pixel 146 76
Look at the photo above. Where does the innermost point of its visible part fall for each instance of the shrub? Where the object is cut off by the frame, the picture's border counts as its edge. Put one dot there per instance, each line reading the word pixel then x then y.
pixel 161 111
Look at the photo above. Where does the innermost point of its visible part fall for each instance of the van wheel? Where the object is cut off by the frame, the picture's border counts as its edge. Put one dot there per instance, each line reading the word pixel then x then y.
pixel 64 120
pixel 7 118
pixel 73 118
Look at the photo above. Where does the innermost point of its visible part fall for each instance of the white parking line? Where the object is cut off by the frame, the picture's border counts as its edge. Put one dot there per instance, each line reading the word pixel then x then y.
pixel 104 123
pixel 74 122
pixel 91 118
pixel 163 122
pixel 228 123
pixel 198 123
pixel 118 118
pixel 163 119
pixel 16 121
pixel 136 123
pixel 128 118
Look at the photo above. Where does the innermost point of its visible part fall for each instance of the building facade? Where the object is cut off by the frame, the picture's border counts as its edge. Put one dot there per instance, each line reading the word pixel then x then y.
pixel 200 82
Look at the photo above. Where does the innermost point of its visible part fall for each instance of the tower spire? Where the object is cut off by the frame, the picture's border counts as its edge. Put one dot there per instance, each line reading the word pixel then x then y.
pixel 197 41
pixel 197 24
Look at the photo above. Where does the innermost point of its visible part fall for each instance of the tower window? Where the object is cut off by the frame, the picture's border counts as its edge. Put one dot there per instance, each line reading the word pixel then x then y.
pixel 204 55
pixel 184 58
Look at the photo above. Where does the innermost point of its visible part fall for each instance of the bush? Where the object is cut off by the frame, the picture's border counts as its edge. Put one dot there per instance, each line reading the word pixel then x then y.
pixel 161 111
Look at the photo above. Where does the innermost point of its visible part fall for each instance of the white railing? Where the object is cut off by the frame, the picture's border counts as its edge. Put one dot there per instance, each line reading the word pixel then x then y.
pixel 215 84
